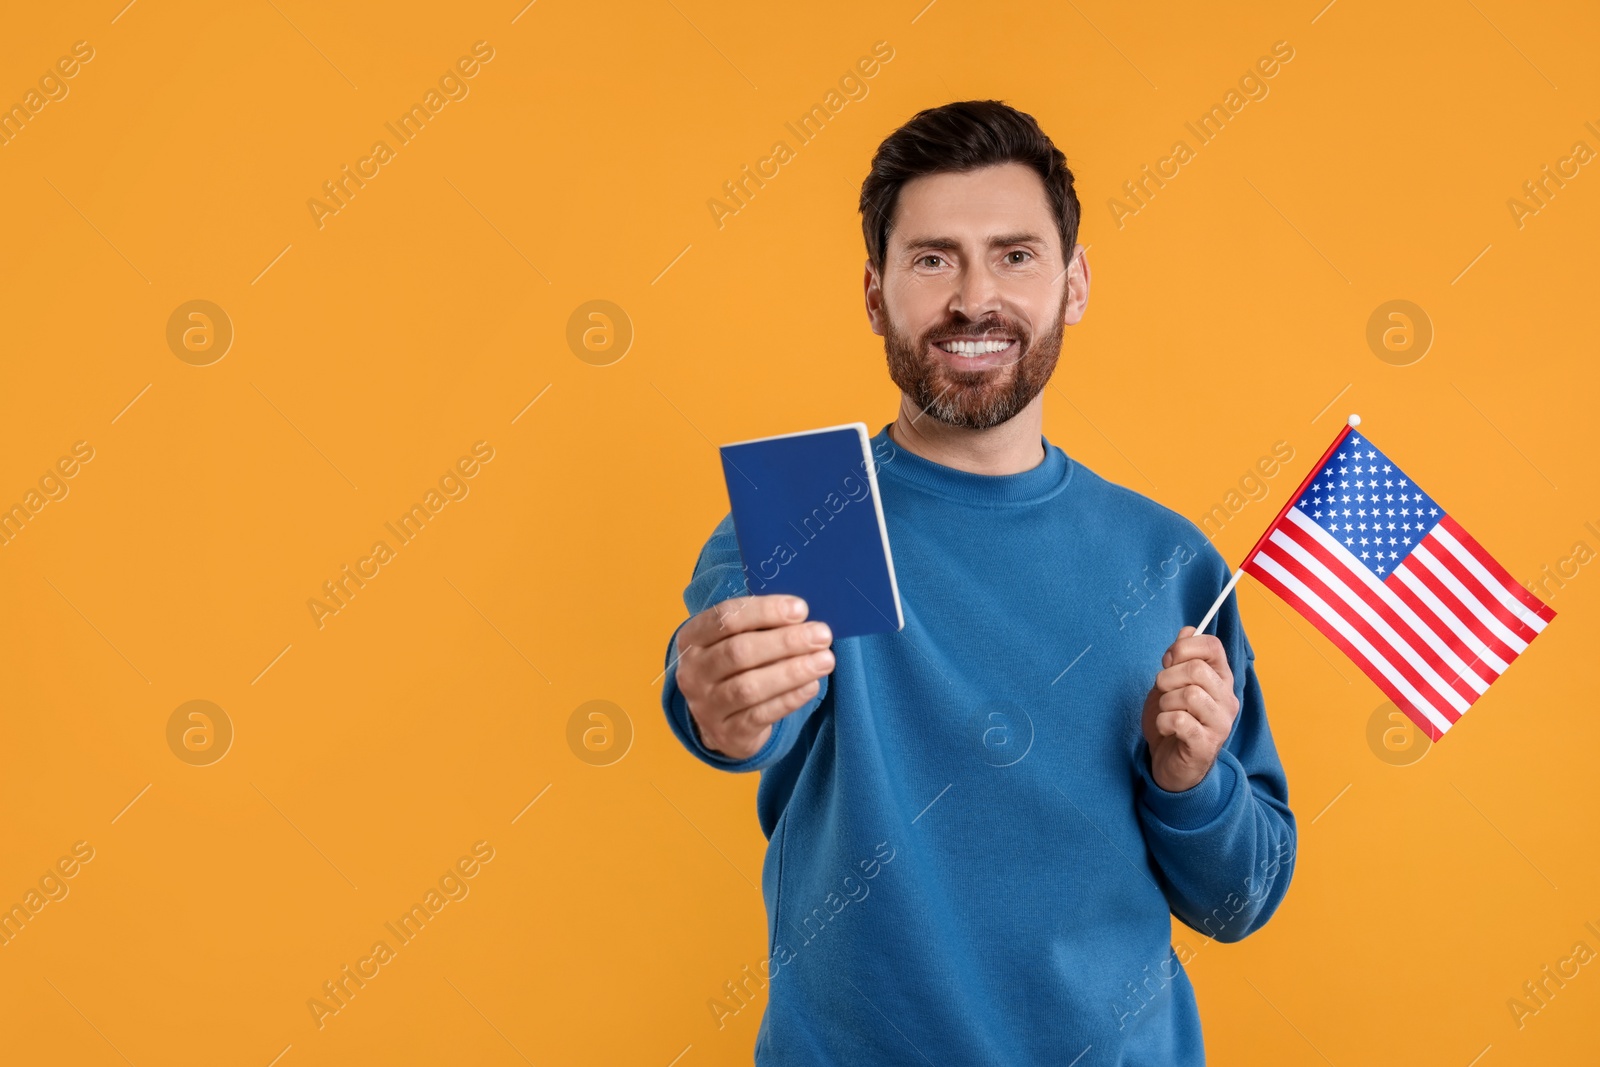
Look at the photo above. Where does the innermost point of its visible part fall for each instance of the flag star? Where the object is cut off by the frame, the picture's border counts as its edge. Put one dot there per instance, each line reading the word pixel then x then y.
pixel 1380 568
pixel 1316 514
pixel 1347 514
pixel 1347 525
pixel 1363 555
pixel 1391 511
pixel 1394 555
pixel 1387 468
pixel 1403 482
pixel 1434 511
pixel 1388 497
pixel 1329 471
pixel 1405 540
pixel 1345 499
pixel 1372 455
pixel 1363 541
pixel 1348 541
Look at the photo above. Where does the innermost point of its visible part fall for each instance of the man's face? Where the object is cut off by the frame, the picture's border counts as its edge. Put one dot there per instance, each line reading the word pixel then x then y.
pixel 975 294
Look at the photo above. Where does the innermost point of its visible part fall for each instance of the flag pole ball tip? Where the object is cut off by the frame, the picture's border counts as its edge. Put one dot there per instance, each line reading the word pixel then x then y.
pixel 1355 420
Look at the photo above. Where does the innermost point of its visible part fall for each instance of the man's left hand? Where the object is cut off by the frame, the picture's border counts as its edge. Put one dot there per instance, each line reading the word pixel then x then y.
pixel 1189 711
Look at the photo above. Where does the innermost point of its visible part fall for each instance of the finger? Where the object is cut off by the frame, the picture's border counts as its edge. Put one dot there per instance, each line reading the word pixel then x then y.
pixel 1169 659
pixel 770 711
pixel 757 648
pixel 1197 702
pixel 748 688
pixel 1182 725
pixel 1207 647
pixel 1191 672
pixel 740 614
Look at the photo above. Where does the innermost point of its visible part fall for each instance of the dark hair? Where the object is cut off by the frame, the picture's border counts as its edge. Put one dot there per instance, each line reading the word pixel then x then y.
pixel 963 136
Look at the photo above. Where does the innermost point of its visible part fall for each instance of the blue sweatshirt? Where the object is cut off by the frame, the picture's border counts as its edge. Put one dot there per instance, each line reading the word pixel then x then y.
pixel 968 860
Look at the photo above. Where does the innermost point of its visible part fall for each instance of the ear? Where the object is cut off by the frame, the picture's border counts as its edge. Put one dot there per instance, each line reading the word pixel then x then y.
pixel 1077 286
pixel 874 296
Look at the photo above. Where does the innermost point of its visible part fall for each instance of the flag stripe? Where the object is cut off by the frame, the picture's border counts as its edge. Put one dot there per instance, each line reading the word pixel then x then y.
pixel 1486 620
pixel 1421 636
pixel 1436 597
pixel 1442 627
pixel 1492 565
pixel 1529 623
pixel 1331 589
pixel 1352 644
pixel 1315 586
pixel 1272 574
pixel 1489 604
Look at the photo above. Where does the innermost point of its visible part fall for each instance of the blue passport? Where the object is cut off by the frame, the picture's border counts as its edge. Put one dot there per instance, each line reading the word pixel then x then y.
pixel 809 523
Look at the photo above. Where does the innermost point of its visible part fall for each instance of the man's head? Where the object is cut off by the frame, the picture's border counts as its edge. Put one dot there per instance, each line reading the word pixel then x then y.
pixel 971 224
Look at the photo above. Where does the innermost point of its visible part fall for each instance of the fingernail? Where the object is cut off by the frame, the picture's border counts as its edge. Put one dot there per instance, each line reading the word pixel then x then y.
pixel 819 633
pixel 822 661
pixel 796 608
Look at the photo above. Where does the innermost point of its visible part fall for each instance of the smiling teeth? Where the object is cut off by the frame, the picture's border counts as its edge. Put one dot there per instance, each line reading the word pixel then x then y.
pixel 974 348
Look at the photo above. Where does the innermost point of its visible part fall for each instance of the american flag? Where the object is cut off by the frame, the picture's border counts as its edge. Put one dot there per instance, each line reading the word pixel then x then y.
pixel 1375 563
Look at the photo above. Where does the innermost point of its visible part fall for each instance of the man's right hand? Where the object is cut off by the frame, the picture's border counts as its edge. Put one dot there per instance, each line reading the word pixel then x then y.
pixel 745 663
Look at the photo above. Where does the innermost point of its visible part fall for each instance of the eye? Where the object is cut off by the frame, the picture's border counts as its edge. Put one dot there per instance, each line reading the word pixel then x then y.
pixel 924 259
pixel 1018 252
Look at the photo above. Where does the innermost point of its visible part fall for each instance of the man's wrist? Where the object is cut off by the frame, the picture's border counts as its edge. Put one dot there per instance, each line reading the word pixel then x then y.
pixel 694 728
pixel 1191 808
pixel 1179 787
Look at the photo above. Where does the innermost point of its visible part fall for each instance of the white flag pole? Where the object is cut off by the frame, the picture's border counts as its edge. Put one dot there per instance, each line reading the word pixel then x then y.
pixel 1220 598
pixel 1354 420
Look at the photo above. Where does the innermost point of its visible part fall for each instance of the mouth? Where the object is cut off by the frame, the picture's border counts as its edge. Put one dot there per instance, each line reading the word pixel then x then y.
pixel 976 353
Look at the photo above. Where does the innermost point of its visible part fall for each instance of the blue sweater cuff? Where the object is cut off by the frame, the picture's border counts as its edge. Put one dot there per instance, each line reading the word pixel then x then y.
pixel 1195 807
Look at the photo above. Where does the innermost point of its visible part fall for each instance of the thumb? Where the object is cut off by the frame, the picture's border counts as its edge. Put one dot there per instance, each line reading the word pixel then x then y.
pixel 1187 631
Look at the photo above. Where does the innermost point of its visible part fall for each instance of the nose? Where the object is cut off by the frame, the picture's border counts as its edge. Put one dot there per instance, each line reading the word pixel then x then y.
pixel 976 294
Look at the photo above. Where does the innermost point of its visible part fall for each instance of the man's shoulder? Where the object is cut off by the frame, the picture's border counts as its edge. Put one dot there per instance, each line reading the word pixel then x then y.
pixel 1143 524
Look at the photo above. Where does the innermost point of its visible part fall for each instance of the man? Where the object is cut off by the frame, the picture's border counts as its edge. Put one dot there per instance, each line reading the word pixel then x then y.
pixel 980 825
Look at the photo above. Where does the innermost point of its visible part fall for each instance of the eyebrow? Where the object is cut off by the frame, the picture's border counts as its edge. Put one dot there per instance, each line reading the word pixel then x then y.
pixel 922 244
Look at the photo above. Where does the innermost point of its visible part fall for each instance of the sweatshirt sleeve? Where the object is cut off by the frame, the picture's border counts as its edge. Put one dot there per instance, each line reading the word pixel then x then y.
pixel 718 576
pixel 1224 849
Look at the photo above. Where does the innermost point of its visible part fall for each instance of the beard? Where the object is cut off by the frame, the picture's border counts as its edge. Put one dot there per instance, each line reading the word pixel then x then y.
pixel 975 399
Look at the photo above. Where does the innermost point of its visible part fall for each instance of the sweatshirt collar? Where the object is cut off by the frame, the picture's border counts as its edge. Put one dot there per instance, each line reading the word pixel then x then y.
pixel 1025 487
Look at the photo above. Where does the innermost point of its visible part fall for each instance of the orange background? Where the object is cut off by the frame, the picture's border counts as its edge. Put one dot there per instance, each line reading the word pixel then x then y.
pixel 426 315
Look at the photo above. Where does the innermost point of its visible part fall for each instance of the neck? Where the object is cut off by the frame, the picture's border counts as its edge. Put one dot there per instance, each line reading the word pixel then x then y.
pixel 1010 448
